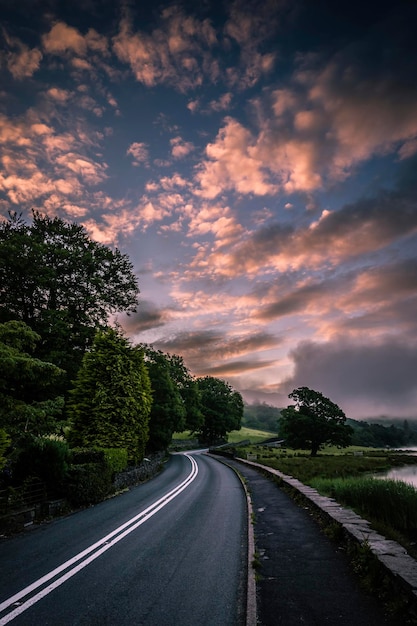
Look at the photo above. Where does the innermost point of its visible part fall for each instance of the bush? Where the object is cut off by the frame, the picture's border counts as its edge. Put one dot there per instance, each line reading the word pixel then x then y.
pixel 88 483
pixel 116 458
pixel 81 456
pixel 45 459
pixel 91 474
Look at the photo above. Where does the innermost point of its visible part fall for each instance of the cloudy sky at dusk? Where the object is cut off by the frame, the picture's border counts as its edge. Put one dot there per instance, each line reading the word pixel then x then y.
pixel 257 161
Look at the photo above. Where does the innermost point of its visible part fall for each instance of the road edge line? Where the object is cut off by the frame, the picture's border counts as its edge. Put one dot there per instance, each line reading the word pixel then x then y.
pixel 251 602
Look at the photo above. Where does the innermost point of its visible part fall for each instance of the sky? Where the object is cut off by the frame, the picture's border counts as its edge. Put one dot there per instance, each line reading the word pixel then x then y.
pixel 256 160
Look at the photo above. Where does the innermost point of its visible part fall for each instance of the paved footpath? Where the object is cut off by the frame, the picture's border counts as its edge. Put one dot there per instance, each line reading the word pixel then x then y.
pixel 304 577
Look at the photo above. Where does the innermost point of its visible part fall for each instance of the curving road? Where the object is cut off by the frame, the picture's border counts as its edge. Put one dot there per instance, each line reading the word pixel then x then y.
pixel 171 551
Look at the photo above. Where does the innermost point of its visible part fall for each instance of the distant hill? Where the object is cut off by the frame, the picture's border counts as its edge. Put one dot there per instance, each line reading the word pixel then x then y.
pixel 382 432
pixel 376 432
pixel 261 416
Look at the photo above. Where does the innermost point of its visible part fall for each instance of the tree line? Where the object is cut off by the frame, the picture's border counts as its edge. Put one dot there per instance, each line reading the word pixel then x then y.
pixel 66 374
pixel 396 433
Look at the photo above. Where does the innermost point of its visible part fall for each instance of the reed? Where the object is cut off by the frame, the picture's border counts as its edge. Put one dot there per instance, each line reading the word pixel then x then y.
pixel 390 502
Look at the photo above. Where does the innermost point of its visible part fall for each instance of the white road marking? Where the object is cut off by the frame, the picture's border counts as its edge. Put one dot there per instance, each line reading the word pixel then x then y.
pixel 98 548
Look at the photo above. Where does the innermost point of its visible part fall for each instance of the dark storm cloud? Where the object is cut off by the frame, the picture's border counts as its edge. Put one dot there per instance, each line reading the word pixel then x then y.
pixel 190 342
pixel 234 368
pixel 356 229
pixel 370 375
pixel 147 317
pixel 294 302
pixel 205 346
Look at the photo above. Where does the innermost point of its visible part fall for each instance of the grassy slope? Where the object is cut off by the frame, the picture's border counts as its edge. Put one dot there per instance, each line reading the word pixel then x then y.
pixel 244 433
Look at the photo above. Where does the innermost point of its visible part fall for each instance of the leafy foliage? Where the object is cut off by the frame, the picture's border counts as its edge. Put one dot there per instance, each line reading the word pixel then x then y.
pixel 111 399
pixel 380 435
pixel 62 284
pixel 4 444
pixel 88 483
pixel 188 388
pixel 43 458
pixel 27 401
pixel 168 412
pixel 115 458
pixel 222 408
pixel 313 421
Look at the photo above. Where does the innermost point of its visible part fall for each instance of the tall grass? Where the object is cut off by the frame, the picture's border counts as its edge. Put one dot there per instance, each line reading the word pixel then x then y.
pixel 390 502
pixel 305 468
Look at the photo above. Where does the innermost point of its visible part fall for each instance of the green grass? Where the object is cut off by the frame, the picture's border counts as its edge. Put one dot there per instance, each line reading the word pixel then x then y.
pixel 235 436
pixel 254 436
pixel 389 502
pixel 342 464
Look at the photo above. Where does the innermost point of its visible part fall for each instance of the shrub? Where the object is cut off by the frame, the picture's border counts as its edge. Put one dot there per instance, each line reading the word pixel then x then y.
pixel 88 483
pixel 43 458
pixel 116 458
pixel 4 444
pixel 91 474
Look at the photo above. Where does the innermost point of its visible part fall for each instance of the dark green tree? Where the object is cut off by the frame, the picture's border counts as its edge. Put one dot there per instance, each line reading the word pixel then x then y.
pixel 222 409
pixel 62 284
pixel 28 403
pixel 190 394
pixel 168 413
pixel 313 421
pixel 111 400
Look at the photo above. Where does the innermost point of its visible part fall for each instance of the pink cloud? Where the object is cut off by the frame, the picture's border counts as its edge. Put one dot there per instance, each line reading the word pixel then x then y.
pixel 177 52
pixel 23 62
pixel 180 148
pixel 58 94
pixel 233 163
pixel 357 229
pixel 62 38
pixel 90 171
pixel 139 151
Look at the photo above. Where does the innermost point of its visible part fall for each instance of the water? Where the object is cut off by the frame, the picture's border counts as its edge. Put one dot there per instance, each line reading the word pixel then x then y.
pixel 407 474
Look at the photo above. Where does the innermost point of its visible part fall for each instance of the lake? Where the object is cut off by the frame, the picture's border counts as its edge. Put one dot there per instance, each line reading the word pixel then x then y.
pixel 407 474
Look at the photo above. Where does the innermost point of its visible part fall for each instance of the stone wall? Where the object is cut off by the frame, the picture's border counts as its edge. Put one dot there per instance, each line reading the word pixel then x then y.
pixel 148 468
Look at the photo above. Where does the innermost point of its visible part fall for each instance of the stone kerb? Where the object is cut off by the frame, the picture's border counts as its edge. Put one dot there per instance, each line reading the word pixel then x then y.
pixel 398 564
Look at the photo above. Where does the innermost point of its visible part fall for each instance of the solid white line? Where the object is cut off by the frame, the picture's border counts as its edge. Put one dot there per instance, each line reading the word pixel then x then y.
pixel 124 530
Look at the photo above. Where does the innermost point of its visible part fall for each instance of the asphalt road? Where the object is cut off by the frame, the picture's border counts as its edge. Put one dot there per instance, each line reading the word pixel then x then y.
pixel 170 551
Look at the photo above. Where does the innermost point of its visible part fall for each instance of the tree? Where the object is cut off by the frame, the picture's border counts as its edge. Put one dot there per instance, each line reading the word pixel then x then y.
pixel 188 388
pixel 222 408
pixel 62 284
pixel 28 403
pixel 168 411
pixel 111 400
pixel 313 421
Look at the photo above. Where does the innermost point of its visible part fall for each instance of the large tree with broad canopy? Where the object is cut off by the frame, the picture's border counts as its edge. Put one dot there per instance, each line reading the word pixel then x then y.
pixel 62 284
pixel 313 421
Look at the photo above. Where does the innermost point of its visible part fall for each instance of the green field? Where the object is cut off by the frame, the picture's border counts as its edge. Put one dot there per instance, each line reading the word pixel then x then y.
pixel 254 436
